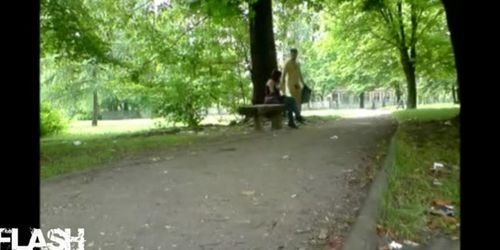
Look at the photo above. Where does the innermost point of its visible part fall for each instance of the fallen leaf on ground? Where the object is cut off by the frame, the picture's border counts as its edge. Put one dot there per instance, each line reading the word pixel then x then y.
pixel 336 243
pixel 300 231
pixel 244 221
pixel 450 220
pixel 248 192
pixel 441 202
pixel 323 234
pixel 435 222
pixel 432 225
pixel 381 230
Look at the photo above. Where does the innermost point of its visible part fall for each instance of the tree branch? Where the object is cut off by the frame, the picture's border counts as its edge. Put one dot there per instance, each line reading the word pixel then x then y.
pixel 429 24
pixel 387 15
pixel 413 38
pixel 401 25
pixel 383 38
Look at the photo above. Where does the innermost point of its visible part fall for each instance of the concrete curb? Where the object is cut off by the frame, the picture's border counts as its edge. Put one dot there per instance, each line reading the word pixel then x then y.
pixel 362 235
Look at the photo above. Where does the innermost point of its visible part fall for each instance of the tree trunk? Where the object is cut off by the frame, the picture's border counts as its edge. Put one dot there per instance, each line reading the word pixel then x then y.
pixel 125 106
pixel 398 94
pixel 454 94
pixel 408 54
pixel 362 100
pixel 262 47
pixel 453 15
pixel 112 105
pixel 411 80
pixel 95 107
pixel 242 88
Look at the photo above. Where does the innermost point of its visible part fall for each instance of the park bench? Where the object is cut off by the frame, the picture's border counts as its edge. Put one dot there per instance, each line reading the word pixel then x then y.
pixel 258 111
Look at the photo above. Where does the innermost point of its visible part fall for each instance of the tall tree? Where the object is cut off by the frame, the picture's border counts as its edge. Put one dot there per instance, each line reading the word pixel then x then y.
pixel 452 9
pixel 402 20
pixel 262 41
pixel 262 47
pixel 402 25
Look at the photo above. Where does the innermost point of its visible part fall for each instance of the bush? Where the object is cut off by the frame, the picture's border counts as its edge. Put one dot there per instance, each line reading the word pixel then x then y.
pixel 86 115
pixel 183 103
pixel 51 120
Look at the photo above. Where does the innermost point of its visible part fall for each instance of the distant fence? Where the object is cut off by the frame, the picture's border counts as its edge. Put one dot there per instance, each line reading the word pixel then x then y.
pixel 347 103
pixel 329 104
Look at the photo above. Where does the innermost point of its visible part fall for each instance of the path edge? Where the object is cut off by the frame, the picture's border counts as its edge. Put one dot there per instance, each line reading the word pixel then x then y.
pixel 362 235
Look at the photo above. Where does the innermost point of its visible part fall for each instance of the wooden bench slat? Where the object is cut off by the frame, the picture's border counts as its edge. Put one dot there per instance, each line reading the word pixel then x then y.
pixel 261 109
pixel 258 110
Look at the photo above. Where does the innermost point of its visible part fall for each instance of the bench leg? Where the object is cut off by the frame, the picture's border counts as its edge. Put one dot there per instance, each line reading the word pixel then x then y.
pixel 277 121
pixel 258 122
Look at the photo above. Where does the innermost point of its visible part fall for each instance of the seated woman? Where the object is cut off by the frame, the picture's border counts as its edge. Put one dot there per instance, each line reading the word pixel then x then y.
pixel 273 96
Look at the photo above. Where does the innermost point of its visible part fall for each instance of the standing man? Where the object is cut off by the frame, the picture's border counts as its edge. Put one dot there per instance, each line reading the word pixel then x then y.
pixel 295 82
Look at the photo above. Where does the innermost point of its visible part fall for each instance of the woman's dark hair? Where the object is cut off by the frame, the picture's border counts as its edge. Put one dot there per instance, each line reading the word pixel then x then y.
pixel 275 75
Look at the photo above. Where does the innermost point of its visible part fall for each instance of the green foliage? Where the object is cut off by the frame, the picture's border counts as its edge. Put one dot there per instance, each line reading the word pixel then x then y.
pixel 58 157
pixel 184 63
pixel 218 9
pixel 365 36
pixel 181 57
pixel 194 98
pixel 52 121
pixel 67 28
pixel 423 138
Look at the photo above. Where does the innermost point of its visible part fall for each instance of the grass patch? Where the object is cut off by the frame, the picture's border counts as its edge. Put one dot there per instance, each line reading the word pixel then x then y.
pixel 113 140
pixel 427 106
pixel 59 157
pixel 83 130
pixel 420 115
pixel 423 137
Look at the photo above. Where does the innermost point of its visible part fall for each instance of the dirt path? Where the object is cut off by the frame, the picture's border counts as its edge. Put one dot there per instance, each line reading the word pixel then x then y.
pixel 271 190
